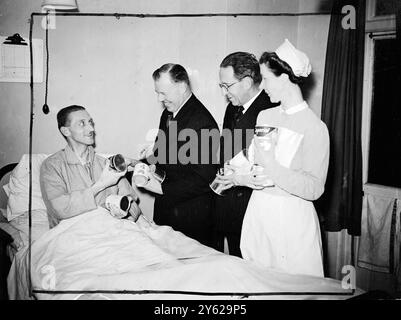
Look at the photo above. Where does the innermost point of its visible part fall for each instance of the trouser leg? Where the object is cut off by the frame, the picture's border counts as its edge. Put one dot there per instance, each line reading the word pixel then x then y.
pixel 233 240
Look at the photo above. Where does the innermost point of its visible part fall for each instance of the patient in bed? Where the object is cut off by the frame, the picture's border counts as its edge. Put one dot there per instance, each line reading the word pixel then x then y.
pixel 75 179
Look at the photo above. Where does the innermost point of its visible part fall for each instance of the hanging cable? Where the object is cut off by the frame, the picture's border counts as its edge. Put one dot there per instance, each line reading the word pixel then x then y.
pixel 45 107
pixel 30 159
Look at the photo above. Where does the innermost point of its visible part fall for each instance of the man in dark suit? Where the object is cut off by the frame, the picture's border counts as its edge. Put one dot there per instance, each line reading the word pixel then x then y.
pixel 186 150
pixel 240 79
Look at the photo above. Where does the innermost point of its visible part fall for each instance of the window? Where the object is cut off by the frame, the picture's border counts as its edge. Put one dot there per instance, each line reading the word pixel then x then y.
pixel 384 7
pixel 381 138
pixel 385 117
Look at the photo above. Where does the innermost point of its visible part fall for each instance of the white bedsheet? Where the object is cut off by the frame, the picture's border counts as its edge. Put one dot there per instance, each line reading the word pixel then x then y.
pixel 95 251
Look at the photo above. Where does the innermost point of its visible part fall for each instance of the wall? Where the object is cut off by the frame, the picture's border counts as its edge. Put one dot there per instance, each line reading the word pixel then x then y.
pixel 106 64
pixel 312 39
pixel 14 97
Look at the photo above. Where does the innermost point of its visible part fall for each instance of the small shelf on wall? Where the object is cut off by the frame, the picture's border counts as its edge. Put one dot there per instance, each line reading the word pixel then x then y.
pixel 15 60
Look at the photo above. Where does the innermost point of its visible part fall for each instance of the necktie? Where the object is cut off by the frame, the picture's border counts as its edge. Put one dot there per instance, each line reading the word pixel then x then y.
pixel 169 118
pixel 238 113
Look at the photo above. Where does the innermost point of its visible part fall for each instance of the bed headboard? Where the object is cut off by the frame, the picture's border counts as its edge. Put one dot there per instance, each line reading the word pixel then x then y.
pixel 3 173
pixel 6 169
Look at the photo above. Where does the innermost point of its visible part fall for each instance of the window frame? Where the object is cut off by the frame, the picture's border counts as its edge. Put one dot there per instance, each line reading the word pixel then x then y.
pixel 377 28
pixel 378 23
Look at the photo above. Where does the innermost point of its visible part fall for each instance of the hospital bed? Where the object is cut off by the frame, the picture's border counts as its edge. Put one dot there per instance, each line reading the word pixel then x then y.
pixel 95 256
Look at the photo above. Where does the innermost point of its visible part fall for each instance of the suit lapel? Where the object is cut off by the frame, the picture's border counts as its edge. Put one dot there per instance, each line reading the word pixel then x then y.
pixel 247 121
pixel 184 115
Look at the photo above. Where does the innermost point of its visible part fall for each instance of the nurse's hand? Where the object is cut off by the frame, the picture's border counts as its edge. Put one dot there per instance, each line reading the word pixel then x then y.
pixel 135 211
pixel 260 179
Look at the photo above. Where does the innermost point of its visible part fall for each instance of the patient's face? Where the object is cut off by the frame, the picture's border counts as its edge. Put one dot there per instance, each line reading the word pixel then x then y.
pixel 81 128
pixel 169 93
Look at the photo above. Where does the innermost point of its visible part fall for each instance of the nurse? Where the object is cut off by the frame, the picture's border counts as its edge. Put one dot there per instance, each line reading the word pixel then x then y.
pixel 281 228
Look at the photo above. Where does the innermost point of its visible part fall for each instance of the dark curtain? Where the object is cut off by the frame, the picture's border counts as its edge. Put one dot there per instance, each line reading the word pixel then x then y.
pixel 340 206
pixel 398 36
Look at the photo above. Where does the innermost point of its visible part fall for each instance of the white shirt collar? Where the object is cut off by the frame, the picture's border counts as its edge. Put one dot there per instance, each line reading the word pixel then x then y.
pixel 175 113
pixel 299 107
pixel 248 104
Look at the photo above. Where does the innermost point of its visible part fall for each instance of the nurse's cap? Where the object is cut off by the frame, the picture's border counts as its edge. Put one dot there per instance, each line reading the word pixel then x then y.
pixel 296 59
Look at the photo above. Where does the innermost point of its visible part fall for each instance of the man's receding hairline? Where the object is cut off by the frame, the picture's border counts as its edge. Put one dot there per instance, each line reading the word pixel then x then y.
pixel 68 122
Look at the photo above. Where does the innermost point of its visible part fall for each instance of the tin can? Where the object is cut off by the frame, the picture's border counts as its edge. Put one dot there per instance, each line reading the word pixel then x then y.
pixel 158 173
pixel 117 162
pixel 218 187
pixel 121 202
pixel 267 135
pixel 141 174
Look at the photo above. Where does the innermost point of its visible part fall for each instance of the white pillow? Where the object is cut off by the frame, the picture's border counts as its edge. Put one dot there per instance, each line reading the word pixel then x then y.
pixel 17 188
pixel 6 190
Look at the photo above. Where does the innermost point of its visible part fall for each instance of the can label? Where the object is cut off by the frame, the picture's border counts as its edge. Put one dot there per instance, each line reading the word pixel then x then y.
pixel 262 131
pixel 267 135
pixel 141 174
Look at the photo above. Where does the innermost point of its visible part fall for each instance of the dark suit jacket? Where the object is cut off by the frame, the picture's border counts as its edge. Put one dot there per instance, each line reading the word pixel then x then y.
pixel 230 208
pixel 187 200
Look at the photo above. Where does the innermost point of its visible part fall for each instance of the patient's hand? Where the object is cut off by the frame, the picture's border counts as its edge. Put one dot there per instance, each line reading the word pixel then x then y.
pixel 143 222
pixel 139 218
pixel 135 211
pixel 116 212
pixel 109 177
pixel 130 162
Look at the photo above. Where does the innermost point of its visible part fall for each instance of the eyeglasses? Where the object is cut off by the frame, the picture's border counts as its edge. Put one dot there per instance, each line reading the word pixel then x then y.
pixel 225 86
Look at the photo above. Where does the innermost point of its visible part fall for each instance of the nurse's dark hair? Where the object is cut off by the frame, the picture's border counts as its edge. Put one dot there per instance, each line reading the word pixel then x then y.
pixel 63 115
pixel 278 66
pixel 176 71
pixel 244 65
